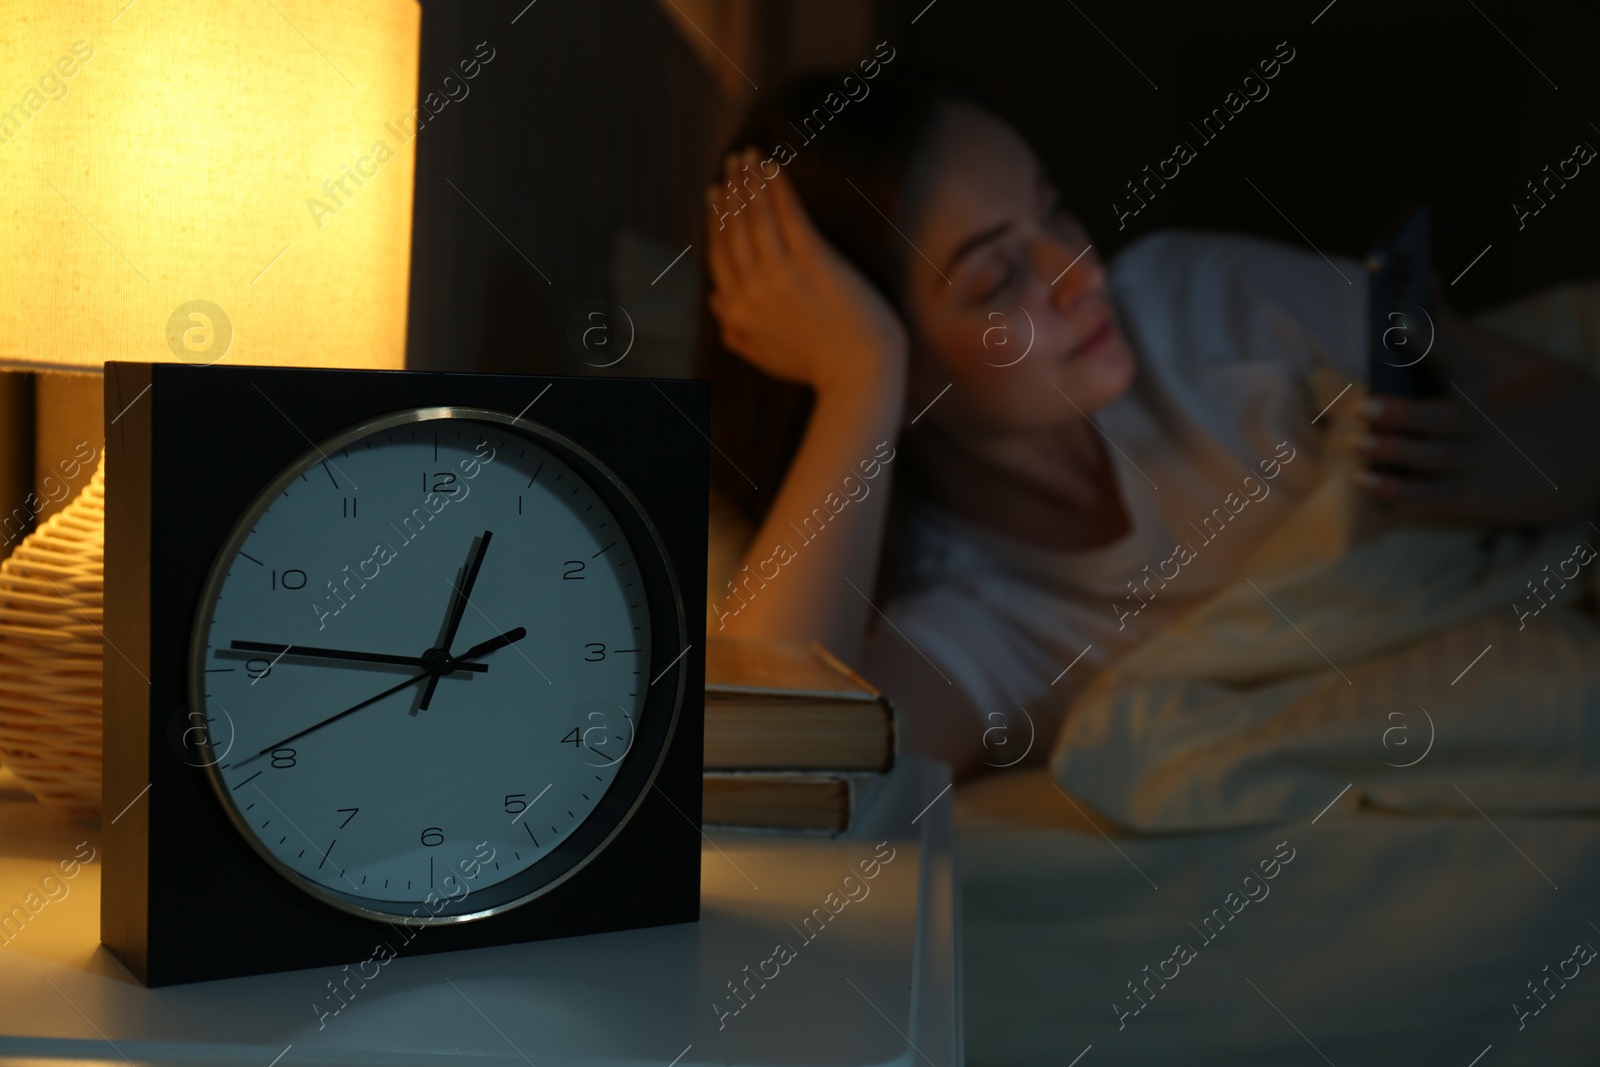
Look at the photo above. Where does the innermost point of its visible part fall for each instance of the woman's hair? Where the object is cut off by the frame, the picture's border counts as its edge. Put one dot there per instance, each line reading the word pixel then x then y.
pixel 859 174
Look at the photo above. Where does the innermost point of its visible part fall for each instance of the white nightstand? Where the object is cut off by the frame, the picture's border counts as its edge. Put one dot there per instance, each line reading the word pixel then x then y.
pixel 879 984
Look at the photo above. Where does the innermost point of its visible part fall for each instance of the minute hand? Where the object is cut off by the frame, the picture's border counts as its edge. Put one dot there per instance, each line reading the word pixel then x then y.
pixel 346 654
pixel 474 652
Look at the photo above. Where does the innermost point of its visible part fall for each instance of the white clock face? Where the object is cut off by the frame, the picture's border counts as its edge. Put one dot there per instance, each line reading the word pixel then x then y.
pixel 424 663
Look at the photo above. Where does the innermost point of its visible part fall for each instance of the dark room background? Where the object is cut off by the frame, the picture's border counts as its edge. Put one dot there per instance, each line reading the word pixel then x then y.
pixel 570 176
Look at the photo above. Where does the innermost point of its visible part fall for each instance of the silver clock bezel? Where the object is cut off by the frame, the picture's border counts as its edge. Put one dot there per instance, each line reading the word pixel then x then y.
pixel 240 532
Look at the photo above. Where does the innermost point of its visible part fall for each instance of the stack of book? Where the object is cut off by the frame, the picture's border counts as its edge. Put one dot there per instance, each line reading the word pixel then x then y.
pixel 795 740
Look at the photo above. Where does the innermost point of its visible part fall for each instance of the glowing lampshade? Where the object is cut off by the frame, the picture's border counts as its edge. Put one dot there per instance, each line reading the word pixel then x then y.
pixel 196 180
pixel 254 154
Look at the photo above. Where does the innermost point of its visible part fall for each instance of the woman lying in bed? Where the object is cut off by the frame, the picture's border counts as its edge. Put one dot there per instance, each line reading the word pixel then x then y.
pixel 1078 450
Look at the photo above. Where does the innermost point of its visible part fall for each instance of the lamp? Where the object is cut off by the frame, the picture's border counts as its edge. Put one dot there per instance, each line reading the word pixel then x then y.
pixel 184 180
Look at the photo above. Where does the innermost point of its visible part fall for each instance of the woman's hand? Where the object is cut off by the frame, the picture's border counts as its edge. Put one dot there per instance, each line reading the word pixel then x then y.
pixel 786 300
pixel 1513 441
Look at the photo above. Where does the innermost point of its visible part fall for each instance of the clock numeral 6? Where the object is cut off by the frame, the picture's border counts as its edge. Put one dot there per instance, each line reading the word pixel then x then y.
pixel 291 579
pixel 516 803
pixel 597 652
pixel 433 836
pixel 283 757
pixel 574 571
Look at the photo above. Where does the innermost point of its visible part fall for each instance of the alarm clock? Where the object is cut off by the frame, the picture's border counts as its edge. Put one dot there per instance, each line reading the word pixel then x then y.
pixel 396 659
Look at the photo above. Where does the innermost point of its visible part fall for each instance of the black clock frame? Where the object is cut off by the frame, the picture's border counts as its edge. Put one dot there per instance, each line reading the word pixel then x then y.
pixel 648 740
pixel 184 896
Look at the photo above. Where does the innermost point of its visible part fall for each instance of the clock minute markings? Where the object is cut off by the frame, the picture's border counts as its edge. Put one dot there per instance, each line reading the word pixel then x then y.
pixel 325 855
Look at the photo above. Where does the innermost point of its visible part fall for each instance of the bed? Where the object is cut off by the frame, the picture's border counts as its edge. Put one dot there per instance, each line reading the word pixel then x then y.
pixel 1387 939
pixel 1437 800
pixel 1358 837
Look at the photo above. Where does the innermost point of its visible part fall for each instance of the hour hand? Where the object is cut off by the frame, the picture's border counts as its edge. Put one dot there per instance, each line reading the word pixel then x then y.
pixel 458 605
pixel 510 637
pixel 351 655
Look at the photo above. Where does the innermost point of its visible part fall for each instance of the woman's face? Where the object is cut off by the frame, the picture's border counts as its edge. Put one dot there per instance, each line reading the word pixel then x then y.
pixel 1005 300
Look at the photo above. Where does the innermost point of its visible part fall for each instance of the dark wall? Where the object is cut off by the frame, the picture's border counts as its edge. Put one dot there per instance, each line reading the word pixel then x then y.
pixel 1382 101
pixel 596 116
pixel 591 116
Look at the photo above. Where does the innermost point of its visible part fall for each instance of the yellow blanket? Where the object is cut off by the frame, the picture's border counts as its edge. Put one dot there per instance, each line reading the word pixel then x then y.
pixel 1406 663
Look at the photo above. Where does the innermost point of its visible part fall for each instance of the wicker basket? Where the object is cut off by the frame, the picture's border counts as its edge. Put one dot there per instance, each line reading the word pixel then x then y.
pixel 51 612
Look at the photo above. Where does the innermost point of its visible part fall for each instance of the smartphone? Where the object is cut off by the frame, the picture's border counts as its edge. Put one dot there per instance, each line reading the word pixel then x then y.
pixel 1400 312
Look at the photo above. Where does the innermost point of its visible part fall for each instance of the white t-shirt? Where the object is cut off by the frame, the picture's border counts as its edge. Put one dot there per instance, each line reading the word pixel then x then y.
pixel 1213 445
